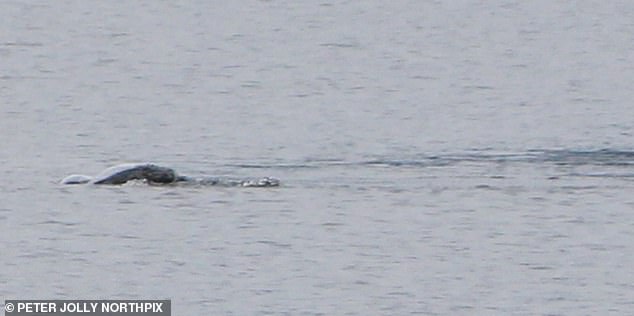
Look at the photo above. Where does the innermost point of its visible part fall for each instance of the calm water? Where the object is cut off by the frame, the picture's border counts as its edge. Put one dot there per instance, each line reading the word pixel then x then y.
pixel 437 157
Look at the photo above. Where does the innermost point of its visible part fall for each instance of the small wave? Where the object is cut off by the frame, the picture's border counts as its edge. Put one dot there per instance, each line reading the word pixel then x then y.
pixel 271 166
pixel 607 157
pixel 601 157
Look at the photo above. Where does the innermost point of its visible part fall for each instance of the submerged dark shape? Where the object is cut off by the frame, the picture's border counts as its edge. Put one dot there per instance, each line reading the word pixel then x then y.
pixel 154 174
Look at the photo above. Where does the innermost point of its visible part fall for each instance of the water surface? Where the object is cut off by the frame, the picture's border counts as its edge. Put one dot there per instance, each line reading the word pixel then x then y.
pixel 437 158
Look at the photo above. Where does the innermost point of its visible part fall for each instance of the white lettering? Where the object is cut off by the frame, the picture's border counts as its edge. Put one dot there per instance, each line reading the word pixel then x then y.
pixel 75 307
pixel 37 307
pixel 119 307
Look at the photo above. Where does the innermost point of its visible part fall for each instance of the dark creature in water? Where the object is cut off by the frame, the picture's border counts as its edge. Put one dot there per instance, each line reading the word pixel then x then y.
pixel 154 174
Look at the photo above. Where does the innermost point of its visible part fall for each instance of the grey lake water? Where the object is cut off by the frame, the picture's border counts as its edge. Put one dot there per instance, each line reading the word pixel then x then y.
pixel 436 157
